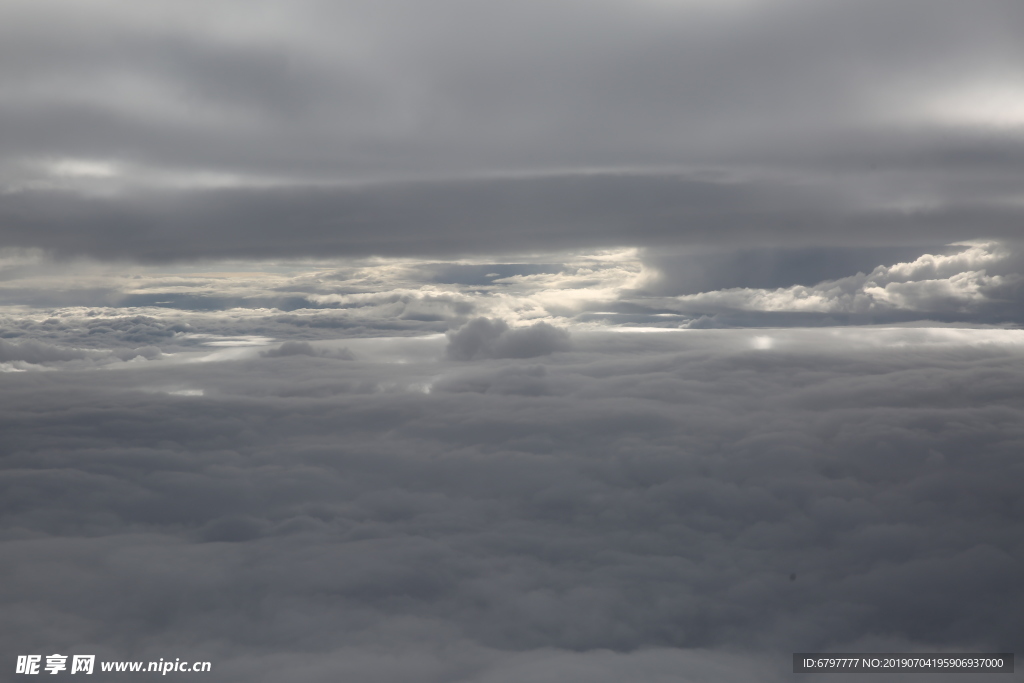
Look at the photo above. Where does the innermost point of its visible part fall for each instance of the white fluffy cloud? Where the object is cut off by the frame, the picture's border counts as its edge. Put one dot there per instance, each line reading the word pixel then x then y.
pixel 980 280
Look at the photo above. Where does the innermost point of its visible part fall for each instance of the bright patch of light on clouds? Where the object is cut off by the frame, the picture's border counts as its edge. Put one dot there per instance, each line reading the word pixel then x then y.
pixel 113 177
pixel 996 105
pixel 84 168
pixel 11 367
pixel 248 340
pixel 246 306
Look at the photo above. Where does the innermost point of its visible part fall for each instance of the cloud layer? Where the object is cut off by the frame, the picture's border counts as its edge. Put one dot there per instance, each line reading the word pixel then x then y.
pixel 979 281
pixel 308 128
pixel 92 305
pixel 638 491
pixel 555 340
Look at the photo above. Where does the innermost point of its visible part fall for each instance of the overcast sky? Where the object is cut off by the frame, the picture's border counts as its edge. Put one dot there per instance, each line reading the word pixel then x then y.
pixel 170 130
pixel 480 342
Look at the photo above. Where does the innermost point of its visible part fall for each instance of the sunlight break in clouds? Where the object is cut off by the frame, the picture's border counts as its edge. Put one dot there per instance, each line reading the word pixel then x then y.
pixel 985 106
pixel 80 168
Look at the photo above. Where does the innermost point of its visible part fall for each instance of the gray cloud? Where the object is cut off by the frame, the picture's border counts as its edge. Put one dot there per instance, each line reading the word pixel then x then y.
pixel 480 217
pixel 351 89
pixel 981 281
pixel 32 351
pixel 486 338
pixel 199 307
pixel 342 128
pixel 291 348
pixel 302 348
pixel 286 297
pixel 640 491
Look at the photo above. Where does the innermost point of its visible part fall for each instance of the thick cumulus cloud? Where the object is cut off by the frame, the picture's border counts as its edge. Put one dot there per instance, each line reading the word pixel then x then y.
pixel 659 506
pixel 486 338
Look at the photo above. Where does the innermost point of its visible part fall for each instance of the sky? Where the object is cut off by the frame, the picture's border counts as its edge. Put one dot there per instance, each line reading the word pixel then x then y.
pixel 474 342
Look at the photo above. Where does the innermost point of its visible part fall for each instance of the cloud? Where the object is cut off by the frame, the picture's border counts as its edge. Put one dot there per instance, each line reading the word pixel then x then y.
pixel 302 348
pixel 488 217
pixel 29 354
pixel 655 124
pixel 184 308
pixel 638 502
pixel 179 97
pixel 291 348
pixel 35 352
pixel 980 282
pixel 515 379
pixel 486 338
pixel 541 236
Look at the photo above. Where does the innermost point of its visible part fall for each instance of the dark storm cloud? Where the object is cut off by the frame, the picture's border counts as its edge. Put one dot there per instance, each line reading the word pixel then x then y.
pixel 636 493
